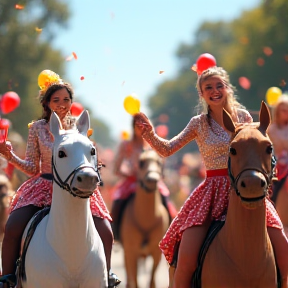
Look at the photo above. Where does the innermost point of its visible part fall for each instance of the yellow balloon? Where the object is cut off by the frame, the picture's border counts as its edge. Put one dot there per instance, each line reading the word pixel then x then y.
pixel 131 105
pixel 272 95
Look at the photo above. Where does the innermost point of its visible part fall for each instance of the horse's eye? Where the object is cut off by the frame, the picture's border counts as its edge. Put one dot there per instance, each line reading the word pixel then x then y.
pixel 233 151
pixel 61 154
pixel 269 150
pixel 141 164
pixel 93 151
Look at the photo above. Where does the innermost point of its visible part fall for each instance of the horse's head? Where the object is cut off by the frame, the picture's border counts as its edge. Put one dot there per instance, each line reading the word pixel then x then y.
pixel 74 158
pixel 251 161
pixel 150 170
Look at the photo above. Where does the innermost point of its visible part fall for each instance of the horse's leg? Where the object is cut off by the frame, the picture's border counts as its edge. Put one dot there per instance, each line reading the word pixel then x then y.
pixel 280 245
pixel 156 260
pixel 131 267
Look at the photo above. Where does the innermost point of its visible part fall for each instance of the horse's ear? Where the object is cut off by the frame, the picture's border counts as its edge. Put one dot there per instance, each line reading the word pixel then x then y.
pixel 55 124
pixel 83 123
pixel 228 122
pixel 264 117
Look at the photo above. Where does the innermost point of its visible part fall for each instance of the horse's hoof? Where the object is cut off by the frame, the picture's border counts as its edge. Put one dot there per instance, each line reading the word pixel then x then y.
pixel 113 280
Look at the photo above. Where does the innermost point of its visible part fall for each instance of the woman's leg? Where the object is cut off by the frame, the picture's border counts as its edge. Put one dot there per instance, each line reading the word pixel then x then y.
pixel 280 245
pixel 104 229
pixel 191 242
pixel 14 229
pixel 105 232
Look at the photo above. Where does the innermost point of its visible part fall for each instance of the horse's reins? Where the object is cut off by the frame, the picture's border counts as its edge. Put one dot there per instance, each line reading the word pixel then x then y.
pixel 67 186
pixel 268 177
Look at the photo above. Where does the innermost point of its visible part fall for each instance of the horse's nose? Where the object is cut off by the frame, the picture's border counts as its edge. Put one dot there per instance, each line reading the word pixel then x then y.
pixel 253 180
pixel 89 177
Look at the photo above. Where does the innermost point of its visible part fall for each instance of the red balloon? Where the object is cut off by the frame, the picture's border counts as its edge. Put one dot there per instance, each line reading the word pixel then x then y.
pixel 4 126
pixel 204 62
pixel 76 109
pixel 9 101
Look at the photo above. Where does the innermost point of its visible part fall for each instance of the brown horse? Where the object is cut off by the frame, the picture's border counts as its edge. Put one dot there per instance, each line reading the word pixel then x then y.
pixel 145 219
pixel 241 254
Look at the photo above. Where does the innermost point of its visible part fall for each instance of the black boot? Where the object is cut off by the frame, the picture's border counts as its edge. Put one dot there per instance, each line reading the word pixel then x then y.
pixel 113 280
pixel 8 281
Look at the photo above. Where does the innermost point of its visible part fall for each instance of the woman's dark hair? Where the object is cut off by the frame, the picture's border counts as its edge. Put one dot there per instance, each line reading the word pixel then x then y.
pixel 46 97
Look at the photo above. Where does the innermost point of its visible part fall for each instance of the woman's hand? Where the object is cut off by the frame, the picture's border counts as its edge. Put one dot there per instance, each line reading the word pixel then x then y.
pixel 5 149
pixel 142 122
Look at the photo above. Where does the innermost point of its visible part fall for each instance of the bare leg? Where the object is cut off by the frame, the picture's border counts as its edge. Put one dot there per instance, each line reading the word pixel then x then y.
pixel 105 232
pixel 14 229
pixel 280 246
pixel 104 229
pixel 191 242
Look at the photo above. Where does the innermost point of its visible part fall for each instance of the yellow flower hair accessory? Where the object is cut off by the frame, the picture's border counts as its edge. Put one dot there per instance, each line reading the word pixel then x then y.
pixel 48 78
pixel 89 132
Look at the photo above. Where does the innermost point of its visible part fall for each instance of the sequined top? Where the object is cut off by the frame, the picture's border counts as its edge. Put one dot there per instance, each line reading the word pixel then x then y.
pixel 38 151
pixel 213 141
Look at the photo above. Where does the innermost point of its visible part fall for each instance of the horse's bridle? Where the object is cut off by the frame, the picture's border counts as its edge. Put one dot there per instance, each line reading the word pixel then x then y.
pixel 268 177
pixel 67 186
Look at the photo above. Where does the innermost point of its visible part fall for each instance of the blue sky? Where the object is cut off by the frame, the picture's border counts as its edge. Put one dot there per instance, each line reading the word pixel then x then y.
pixel 123 44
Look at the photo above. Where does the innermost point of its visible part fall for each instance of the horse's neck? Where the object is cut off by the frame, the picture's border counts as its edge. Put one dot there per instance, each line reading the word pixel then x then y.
pixel 245 231
pixel 146 205
pixel 70 226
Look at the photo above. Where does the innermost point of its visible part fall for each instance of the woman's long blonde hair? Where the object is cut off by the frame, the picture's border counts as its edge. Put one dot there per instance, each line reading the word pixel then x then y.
pixel 283 100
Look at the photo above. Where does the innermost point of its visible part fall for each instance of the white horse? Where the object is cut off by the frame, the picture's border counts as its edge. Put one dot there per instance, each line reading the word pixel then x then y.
pixel 66 250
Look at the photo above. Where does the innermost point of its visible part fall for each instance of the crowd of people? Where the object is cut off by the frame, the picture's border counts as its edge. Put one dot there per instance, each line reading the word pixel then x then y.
pixel 206 203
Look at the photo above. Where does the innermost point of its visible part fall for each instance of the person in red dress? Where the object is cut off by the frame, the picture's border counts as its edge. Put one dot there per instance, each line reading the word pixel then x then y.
pixel 209 201
pixel 36 192
pixel 126 166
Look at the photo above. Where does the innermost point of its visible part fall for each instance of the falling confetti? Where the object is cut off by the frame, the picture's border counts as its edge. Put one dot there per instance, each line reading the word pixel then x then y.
pixel 82 78
pixel 19 7
pixel 260 61
pixel 75 55
pixel 164 118
pixel 39 30
pixel 123 83
pixel 161 71
pixel 244 83
pixel 286 58
pixel 267 51
pixel 69 58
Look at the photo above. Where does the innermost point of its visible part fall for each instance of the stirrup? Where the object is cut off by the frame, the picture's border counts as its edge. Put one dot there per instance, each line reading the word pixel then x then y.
pixel 9 279
pixel 113 280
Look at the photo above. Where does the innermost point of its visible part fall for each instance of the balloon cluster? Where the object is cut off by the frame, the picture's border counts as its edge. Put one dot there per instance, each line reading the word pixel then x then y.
pixel 272 95
pixel 131 104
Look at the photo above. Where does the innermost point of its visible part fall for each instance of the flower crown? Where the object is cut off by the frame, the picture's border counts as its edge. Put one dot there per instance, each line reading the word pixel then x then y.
pixel 46 79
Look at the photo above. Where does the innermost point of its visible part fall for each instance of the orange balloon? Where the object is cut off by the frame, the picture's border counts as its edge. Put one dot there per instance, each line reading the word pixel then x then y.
pixel 272 95
pixel 131 104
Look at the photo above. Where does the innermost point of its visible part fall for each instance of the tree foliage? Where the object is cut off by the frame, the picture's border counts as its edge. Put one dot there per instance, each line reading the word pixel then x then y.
pixel 237 46
pixel 26 50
